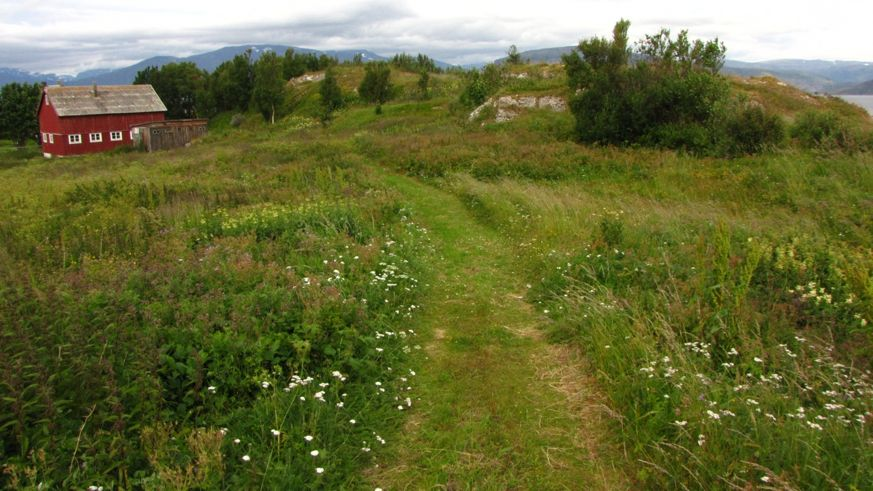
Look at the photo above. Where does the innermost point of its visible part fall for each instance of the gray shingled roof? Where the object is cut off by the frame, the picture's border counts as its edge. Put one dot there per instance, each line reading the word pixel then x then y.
pixel 110 99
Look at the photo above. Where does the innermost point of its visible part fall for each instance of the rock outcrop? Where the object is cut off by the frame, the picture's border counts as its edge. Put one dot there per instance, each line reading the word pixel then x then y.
pixel 509 106
pixel 307 78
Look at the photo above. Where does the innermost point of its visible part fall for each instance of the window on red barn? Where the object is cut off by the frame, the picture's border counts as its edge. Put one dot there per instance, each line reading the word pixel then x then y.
pixel 95 137
pixel 115 136
pixel 74 139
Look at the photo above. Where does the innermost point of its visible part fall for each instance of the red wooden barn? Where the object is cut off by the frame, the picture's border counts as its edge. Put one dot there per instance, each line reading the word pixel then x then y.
pixel 76 120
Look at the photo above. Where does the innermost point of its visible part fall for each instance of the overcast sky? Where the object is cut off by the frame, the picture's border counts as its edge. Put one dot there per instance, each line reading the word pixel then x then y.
pixel 67 37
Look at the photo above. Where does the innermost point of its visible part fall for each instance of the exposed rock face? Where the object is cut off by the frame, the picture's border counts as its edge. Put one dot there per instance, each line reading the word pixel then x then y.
pixel 508 106
pixel 527 102
pixel 478 111
pixel 504 115
pixel 555 103
pixel 309 77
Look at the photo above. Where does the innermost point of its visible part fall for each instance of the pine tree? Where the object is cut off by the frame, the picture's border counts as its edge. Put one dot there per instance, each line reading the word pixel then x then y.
pixel 331 96
pixel 376 85
pixel 423 81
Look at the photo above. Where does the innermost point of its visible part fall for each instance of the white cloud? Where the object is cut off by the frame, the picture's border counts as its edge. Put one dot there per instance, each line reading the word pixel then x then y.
pixel 69 36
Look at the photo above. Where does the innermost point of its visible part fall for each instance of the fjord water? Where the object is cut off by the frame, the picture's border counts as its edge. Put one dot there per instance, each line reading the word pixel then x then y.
pixel 865 101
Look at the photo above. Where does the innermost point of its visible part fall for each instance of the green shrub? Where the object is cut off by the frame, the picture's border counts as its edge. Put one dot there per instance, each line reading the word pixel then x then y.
pixel 825 130
pixel 475 92
pixel 376 85
pixel 751 130
pixel 672 97
pixel 481 85
pixel 658 102
pixel 612 229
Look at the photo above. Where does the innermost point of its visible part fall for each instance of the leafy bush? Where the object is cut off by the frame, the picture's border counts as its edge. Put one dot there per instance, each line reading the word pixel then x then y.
pixel 612 229
pixel 827 131
pixel 750 130
pixel 475 92
pixel 481 85
pixel 376 84
pixel 667 99
pixel 672 97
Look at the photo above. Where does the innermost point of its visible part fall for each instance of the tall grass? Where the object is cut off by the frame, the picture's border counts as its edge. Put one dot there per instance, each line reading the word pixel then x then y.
pixel 727 316
pixel 235 314
pixel 231 316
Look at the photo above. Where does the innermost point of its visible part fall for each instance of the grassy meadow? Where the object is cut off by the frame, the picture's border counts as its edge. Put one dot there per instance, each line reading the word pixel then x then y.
pixel 230 316
pixel 260 309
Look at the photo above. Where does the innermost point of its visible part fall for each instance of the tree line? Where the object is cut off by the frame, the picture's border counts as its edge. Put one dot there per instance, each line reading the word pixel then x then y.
pixel 239 84
pixel 18 107
pixel 375 88
pixel 242 84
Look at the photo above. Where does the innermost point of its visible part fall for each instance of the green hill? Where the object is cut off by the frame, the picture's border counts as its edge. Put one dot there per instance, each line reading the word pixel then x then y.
pixel 790 101
pixel 411 300
pixel 543 55
pixel 865 88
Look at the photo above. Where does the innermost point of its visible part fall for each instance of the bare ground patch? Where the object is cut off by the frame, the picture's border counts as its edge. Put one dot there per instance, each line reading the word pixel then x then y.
pixel 563 369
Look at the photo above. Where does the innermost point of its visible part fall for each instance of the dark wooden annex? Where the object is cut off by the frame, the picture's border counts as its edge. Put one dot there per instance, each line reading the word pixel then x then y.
pixel 164 135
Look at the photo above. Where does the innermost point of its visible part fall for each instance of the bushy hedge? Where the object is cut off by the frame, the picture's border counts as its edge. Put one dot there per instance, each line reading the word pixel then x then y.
pixel 825 130
pixel 481 85
pixel 748 129
pixel 671 96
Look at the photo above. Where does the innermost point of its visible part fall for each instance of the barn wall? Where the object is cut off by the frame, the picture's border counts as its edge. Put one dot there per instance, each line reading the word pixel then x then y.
pixel 50 123
pixel 61 127
pixel 103 123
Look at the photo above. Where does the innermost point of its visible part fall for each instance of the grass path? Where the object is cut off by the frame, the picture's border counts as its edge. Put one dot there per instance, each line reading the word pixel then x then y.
pixel 500 408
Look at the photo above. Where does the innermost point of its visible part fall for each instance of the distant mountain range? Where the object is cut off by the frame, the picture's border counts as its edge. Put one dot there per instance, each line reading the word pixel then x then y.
pixel 835 77
pixel 544 55
pixel 206 61
pixel 865 88
pixel 811 75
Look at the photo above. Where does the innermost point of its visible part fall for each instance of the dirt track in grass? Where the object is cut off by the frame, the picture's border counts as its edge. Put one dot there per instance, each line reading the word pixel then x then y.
pixel 500 407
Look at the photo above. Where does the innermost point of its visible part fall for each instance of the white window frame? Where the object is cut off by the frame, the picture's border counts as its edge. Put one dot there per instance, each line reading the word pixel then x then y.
pixel 45 138
pixel 74 138
pixel 51 138
pixel 95 137
pixel 115 136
